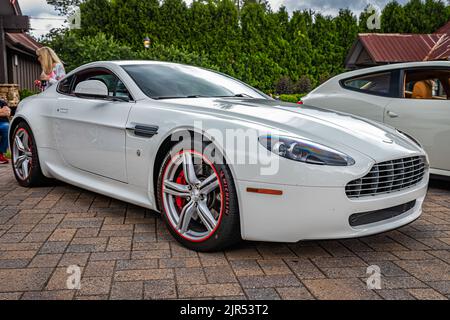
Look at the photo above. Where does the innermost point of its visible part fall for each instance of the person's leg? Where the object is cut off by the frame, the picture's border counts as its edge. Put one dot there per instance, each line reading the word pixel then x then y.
pixel 4 127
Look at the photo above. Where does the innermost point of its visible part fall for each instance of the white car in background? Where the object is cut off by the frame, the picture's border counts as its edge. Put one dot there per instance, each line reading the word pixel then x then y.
pixel 114 128
pixel 412 97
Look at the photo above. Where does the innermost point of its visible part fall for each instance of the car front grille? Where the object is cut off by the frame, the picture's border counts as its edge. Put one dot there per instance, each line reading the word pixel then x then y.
pixel 365 218
pixel 389 176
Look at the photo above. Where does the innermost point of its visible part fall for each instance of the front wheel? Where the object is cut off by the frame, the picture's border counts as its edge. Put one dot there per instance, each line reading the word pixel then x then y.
pixel 25 159
pixel 198 201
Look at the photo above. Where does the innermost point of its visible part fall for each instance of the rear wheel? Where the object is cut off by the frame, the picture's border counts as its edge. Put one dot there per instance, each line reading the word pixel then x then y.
pixel 198 200
pixel 25 159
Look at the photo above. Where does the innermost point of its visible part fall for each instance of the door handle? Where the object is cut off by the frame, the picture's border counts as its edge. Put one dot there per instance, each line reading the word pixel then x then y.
pixel 392 114
pixel 62 110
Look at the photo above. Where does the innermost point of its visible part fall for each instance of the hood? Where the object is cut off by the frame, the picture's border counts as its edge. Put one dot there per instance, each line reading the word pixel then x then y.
pixel 329 128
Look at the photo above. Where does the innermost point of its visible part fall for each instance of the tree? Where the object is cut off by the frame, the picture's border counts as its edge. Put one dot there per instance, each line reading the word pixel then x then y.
pixel 394 18
pixel 65 7
pixel 271 50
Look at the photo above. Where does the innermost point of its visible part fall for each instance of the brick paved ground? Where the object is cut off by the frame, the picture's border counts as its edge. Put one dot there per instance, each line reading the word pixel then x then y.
pixel 126 253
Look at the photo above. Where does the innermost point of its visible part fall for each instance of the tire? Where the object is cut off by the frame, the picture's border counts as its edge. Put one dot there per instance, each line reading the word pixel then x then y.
pixel 199 230
pixel 32 177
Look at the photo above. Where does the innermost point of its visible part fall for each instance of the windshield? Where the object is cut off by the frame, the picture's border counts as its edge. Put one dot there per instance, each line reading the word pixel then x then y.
pixel 171 81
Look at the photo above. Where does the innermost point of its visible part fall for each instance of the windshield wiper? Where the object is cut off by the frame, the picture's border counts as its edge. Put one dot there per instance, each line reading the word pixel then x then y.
pixel 239 95
pixel 178 97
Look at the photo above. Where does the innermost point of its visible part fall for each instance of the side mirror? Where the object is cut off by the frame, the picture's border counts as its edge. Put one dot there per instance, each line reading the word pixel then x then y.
pixel 91 89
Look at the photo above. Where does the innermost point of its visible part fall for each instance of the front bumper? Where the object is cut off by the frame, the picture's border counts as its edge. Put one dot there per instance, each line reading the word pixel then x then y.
pixel 313 213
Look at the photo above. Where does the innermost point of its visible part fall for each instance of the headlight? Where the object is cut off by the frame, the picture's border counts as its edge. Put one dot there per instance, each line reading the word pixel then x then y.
pixel 305 151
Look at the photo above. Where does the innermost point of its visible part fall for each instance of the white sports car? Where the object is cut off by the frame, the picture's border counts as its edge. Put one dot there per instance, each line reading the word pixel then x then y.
pixel 412 97
pixel 220 160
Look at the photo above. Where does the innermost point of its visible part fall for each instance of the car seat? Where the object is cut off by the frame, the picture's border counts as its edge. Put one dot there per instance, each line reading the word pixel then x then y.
pixel 423 90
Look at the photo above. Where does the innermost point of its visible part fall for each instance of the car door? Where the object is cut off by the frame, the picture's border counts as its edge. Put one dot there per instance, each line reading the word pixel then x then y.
pixel 366 95
pixel 90 133
pixel 423 111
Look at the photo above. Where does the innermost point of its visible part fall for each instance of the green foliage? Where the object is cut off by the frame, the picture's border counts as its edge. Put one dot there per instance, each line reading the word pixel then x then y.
pixel 273 51
pixel 25 93
pixel 75 51
pixel 293 98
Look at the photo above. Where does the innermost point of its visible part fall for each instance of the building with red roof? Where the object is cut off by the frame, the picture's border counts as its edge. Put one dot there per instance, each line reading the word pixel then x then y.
pixel 18 60
pixel 373 49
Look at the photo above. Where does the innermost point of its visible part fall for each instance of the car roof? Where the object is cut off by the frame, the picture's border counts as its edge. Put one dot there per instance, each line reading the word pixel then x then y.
pixel 395 66
pixel 138 62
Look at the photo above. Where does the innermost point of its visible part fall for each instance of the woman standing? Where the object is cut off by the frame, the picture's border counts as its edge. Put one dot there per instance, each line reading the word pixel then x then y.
pixel 52 67
pixel 5 113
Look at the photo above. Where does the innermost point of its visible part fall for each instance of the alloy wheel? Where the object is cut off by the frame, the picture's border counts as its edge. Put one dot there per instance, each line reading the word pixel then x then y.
pixel 22 154
pixel 192 196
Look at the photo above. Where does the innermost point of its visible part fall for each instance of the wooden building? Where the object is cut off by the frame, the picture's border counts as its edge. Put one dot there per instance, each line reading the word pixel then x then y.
pixel 18 61
pixel 374 49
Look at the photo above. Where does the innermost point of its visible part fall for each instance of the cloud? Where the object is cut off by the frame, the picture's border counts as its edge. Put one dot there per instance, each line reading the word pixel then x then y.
pixel 43 16
pixel 331 7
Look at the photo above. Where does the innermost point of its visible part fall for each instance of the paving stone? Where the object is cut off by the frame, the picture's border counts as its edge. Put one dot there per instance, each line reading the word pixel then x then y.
pixel 159 289
pixel 49 295
pixel 63 235
pixel 401 283
pixel 208 290
pixel 179 263
pixel 396 294
pixel 127 290
pixel 45 260
pixel 426 270
pixel 95 286
pixel 137 264
pixel 441 286
pixel 274 267
pixel 269 281
pixel 32 279
pixel 116 255
pixel 223 274
pixel 190 276
pixel 69 259
pixel 305 269
pixel 339 289
pixel 54 247
pixel 294 293
pixel 10 296
pixel 99 269
pixel 246 268
pixel 262 294
pixel 144 275
pixel 426 294
pixel 126 252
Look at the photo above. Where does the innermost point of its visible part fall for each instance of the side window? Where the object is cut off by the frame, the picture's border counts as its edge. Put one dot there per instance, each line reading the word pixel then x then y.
pixel 64 85
pixel 431 84
pixel 377 84
pixel 116 88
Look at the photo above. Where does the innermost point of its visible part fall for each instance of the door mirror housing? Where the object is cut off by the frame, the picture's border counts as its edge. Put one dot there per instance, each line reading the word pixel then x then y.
pixel 92 89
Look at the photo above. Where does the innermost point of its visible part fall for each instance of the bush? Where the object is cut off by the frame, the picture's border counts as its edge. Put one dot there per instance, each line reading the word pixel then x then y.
pixel 293 98
pixel 75 51
pixel 25 93
pixel 284 85
pixel 303 85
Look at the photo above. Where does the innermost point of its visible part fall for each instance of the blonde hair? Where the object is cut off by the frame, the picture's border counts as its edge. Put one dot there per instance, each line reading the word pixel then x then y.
pixel 48 59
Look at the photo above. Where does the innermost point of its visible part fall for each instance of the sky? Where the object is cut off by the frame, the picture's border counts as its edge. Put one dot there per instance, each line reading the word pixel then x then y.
pixel 44 16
